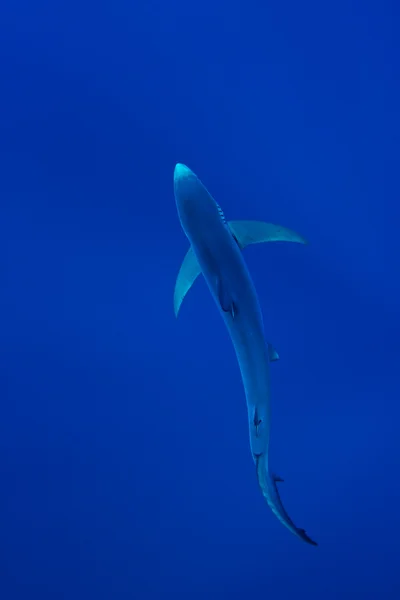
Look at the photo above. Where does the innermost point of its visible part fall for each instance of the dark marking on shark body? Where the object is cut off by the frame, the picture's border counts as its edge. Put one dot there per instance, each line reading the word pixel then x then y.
pixel 256 421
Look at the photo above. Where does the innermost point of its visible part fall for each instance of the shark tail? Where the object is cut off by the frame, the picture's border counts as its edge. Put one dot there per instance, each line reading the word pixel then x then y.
pixel 269 489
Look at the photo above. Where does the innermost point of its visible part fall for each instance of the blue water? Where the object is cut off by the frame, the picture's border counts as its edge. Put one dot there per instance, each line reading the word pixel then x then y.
pixel 124 456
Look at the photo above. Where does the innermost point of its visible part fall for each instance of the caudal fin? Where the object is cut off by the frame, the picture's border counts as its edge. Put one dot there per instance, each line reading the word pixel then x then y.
pixel 269 489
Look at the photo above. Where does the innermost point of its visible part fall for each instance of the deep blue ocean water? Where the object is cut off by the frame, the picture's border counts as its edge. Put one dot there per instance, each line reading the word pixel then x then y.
pixel 124 454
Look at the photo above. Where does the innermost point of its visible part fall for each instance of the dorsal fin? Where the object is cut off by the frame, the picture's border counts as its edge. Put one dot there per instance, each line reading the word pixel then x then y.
pixel 273 355
pixel 256 232
pixel 225 298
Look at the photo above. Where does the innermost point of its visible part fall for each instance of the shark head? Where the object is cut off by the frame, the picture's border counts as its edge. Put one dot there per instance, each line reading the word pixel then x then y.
pixel 196 207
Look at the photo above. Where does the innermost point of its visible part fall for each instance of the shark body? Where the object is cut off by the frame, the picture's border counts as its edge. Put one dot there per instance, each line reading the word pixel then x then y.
pixel 216 252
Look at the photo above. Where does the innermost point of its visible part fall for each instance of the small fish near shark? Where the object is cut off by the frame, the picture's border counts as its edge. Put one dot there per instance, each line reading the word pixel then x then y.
pixel 216 252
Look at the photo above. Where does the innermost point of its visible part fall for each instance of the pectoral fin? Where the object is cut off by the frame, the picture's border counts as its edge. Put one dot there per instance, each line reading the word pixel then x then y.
pixel 256 232
pixel 188 273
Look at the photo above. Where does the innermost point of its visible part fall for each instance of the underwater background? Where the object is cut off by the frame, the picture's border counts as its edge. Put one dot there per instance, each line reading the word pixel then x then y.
pixel 124 454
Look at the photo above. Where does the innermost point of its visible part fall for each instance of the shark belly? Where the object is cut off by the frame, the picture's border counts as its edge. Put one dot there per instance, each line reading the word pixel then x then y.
pixel 252 356
pixel 245 327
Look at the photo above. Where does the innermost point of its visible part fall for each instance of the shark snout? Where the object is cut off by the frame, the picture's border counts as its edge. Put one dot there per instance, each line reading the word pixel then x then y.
pixel 182 172
pixel 185 187
pixel 195 205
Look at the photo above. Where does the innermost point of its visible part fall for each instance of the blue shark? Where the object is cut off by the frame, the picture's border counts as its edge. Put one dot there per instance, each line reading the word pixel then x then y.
pixel 216 252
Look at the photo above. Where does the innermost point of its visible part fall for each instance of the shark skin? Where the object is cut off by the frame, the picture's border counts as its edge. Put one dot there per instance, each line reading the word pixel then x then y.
pixel 215 252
